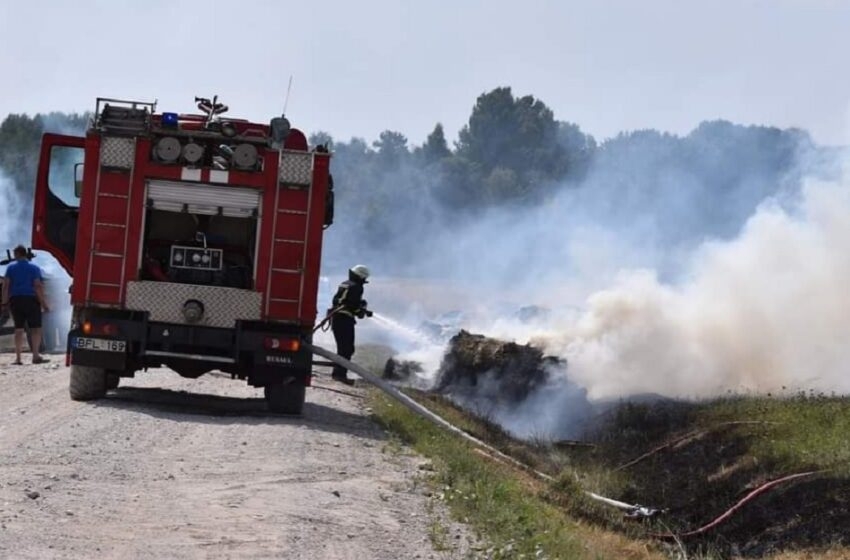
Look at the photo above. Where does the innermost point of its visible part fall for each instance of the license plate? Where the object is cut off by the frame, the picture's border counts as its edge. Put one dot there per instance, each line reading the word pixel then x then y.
pixel 100 344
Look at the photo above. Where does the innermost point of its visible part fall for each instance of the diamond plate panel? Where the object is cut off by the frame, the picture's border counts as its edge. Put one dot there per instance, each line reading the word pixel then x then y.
pixel 222 306
pixel 296 168
pixel 118 152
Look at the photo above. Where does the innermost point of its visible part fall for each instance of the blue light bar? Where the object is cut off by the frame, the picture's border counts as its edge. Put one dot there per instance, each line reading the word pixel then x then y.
pixel 170 120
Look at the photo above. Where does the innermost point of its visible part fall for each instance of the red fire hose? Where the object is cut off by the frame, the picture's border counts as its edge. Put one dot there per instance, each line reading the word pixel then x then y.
pixel 728 513
pixel 632 509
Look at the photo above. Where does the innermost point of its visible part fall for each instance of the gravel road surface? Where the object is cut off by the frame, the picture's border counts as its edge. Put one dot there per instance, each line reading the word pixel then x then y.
pixel 166 468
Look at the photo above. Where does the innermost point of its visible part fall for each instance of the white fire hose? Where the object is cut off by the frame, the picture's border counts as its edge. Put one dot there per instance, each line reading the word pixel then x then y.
pixel 633 510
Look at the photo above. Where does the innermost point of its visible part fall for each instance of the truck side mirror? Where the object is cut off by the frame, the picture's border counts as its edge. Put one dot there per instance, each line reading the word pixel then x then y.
pixel 78 180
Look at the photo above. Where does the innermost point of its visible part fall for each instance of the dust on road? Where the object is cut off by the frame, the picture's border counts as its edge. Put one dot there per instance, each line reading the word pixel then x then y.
pixel 166 467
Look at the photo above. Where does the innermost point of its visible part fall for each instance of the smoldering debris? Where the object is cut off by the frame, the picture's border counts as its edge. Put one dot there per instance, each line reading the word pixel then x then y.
pixel 515 385
pixel 514 370
pixel 402 370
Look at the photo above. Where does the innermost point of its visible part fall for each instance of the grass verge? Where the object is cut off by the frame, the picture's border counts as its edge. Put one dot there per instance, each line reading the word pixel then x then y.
pixel 508 510
pixel 694 459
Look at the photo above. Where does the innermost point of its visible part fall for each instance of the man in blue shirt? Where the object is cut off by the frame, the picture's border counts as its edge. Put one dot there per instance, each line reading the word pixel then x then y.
pixel 23 294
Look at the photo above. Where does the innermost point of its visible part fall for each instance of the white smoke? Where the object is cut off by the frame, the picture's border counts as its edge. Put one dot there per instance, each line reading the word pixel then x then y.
pixel 766 311
pixel 12 228
pixel 15 229
pixel 684 267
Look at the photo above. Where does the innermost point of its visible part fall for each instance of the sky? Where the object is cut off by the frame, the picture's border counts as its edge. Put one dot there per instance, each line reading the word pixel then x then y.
pixel 362 67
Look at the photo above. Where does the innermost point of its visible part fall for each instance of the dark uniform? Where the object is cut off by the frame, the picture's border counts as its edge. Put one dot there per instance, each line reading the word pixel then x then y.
pixel 348 304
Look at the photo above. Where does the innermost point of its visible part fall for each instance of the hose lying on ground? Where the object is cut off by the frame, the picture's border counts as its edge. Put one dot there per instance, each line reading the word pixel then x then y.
pixel 412 405
pixel 728 513
pixel 631 509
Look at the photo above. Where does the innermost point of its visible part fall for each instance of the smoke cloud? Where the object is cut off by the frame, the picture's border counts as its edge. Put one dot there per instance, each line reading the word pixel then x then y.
pixel 12 212
pixel 15 228
pixel 766 311
pixel 651 275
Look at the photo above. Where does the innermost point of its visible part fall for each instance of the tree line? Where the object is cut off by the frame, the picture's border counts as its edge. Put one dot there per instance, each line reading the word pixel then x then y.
pixel 511 153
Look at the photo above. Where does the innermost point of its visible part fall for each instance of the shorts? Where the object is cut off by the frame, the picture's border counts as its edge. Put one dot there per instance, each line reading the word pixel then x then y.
pixel 26 311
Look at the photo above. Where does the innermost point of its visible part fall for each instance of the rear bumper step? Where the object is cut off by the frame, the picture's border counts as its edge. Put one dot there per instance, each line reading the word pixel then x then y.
pixel 197 357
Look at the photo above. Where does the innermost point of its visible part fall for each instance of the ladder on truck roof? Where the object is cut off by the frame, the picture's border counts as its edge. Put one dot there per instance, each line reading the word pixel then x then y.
pixel 110 219
pixel 122 116
pixel 291 230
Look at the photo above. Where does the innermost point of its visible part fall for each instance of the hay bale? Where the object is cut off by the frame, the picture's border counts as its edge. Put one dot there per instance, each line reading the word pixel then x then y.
pixel 506 370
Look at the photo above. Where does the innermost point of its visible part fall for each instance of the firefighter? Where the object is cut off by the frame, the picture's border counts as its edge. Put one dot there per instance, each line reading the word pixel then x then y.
pixel 348 306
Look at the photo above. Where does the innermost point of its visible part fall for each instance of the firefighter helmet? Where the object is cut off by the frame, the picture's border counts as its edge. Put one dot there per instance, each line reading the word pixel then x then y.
pixel 361 271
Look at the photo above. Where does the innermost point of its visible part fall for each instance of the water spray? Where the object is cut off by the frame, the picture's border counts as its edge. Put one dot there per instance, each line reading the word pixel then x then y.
pixel 394 326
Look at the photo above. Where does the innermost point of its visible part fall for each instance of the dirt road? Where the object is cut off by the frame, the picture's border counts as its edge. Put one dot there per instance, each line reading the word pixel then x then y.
pixel 170 468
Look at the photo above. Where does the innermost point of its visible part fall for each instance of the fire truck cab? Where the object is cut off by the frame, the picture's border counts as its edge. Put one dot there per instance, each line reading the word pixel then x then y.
pixel 193 241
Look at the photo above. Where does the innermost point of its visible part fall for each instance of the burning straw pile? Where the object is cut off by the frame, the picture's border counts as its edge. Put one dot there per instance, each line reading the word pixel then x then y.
pixel 516 386
pixel 493 369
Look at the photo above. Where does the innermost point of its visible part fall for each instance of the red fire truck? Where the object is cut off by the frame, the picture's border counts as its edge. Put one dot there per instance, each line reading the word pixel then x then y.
pixel 194 242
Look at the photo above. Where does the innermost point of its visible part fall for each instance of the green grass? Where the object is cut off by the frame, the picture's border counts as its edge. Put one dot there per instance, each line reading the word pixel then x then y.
pixel 508 510
pixel 802 432
pixel 703 457
pixel 438 533
pixel 717 452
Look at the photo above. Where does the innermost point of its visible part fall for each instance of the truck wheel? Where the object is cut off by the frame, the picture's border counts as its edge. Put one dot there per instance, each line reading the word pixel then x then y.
pixel 112 380
pixel 286 399
pixel 87 383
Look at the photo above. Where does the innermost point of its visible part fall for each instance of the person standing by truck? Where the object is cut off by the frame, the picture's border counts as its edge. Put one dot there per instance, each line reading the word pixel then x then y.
pixel 348 304
pixel 23 295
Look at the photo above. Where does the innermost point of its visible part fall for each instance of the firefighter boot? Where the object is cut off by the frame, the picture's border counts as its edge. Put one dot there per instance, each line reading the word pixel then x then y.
pixel 342 378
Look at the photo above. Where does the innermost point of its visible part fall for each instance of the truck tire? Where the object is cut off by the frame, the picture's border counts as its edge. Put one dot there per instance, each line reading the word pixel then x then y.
pixel 87 383
pixel 286 399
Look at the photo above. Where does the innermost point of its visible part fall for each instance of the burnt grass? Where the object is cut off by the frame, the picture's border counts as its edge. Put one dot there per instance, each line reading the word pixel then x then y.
pixel 698 460
pixel 695 460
